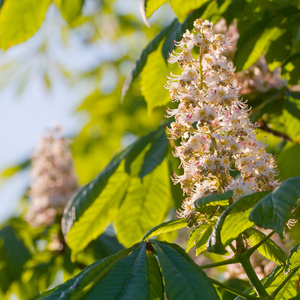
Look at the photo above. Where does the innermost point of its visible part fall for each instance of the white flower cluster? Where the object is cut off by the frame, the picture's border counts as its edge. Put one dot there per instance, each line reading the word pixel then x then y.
pixel 213 123
pixel 53 179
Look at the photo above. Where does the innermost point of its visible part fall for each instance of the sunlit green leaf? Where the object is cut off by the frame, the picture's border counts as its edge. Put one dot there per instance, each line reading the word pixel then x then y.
pixel 19 20
pixel 102 211
pixel 182 8
pixel 269 249
pixel 166 227
pixel 199 238
pixel 148 7
pixel 142 60
pixel 274 210
pixel 293 260
pixel 183 278
pixel 144 206
pixel 153 78
pixel 232 222
pixel 214 200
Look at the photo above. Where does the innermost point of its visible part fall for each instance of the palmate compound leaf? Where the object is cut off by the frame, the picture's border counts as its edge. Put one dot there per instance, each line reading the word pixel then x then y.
pixel 274 210
pixel 124 275
pixel 233 221
pixel 183 278
pixel 199 238
pixel 145 205
pixel 165 227
pixel 96 204
pixel 269 249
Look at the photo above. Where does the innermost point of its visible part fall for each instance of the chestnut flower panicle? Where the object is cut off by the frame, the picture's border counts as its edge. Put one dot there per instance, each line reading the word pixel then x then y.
pixel 213 124
pixel 53 179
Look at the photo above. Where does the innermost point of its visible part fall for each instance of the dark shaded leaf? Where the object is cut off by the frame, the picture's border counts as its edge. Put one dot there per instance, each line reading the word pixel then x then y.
pixel 156 284
pixel 183 278
pixel 214 200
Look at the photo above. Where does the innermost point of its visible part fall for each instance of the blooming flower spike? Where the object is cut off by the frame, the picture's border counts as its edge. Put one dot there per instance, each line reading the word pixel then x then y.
pixel 213 123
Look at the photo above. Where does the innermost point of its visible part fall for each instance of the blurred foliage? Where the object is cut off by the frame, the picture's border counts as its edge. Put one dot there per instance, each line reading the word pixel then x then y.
pixel 29 262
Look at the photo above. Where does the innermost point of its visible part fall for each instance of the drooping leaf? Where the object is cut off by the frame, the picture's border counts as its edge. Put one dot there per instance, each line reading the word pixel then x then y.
pixel 142 60
pixel 70 9
pixel 153 77
pixel 183 278
pixel 199 238
pixel 13 256
pixel 144 206
pixel 214 200
pixel 293 260
pixel 19 20
pixel 269 249
pixel 156 286
pixel 155 155
pixel 165 227
pixel 86 278
pixel 102 212
pixel 274 210
pixel 232 222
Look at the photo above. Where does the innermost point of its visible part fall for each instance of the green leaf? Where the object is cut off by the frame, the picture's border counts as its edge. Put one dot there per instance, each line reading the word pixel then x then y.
pixel 214 200
pixel 155 155
pixel 70 9
pixel 274 210
pixel 16 168
pixel 175 34
pixel 232 222
pixel 13 256
pixel 156 284
pixel 127 279
pixel 289 290
pixel 293 260
pixel 153 77
pixel 250 44
pixel 166 227
pixel 142 60
pixel 86 278
pixel 144 206
pixel 199 238
pixel 288 161
pixel 148 7
pixel 19 20
pixel 269 249
pixel 102 211
pixel 183 278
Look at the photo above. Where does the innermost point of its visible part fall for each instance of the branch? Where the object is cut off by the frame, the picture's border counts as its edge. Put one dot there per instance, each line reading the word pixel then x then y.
pixel 263 126
pixel 220 263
